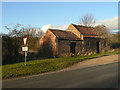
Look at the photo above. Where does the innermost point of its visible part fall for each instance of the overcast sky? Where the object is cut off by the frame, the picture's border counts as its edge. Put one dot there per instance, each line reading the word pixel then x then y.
pixel 58 14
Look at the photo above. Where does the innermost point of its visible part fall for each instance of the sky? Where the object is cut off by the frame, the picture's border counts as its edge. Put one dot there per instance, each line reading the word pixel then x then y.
pixel 57 14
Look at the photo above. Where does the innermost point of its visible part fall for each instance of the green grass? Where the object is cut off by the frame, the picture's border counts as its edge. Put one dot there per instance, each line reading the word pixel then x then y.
pixel 44 65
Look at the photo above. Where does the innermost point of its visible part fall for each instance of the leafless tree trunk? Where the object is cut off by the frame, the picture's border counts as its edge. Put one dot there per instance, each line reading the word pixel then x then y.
pixel 87 20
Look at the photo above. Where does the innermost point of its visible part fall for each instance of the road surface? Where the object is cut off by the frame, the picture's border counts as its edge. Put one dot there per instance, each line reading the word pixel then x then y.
pixel 96 76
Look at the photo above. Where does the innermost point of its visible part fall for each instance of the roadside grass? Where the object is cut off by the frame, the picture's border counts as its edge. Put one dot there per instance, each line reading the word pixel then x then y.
pixel 45 65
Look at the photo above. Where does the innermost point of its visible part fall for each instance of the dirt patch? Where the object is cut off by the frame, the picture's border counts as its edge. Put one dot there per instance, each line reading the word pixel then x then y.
pixel 93 62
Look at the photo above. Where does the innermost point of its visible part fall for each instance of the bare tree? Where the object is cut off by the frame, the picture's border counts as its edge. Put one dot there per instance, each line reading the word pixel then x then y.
pixel 103 31
pixel 21 31
pixel 16 30
pixel 34 32
pixel 87 20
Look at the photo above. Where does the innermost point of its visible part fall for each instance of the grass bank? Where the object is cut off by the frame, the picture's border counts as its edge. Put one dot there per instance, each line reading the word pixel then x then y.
pixel 44 65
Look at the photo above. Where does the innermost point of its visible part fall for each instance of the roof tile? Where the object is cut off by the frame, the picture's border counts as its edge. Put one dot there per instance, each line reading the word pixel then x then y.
pixel 66 35
pixel 86 30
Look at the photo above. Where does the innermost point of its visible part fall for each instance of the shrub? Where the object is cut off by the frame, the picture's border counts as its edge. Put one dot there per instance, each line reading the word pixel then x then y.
pixel 11 48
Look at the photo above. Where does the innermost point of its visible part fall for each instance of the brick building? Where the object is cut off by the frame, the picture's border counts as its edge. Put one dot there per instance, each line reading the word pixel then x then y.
pixel 76 39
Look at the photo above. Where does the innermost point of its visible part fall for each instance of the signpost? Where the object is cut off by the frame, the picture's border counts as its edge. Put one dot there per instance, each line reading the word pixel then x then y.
pixel 25 48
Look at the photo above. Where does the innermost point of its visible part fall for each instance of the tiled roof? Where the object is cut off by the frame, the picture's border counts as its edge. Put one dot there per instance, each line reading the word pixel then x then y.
pixel 86 30
pixel 92 36
pixel 66 35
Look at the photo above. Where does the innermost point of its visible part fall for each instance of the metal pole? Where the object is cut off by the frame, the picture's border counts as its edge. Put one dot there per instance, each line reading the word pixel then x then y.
pixel 25 58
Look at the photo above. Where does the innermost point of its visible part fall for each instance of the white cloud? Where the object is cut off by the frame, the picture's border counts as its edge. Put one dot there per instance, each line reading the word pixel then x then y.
pixel 111 24
pixel 49 26
pixel 114 31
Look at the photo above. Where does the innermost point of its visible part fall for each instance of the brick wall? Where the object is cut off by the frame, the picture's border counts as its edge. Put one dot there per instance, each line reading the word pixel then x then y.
pixel 81 46
pixel 50 38
pixel 104 45
pixel 90 46
pixel 71 28
pixel 64 47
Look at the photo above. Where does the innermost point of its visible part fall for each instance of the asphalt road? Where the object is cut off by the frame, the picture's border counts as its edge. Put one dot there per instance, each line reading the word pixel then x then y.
pixel 100 76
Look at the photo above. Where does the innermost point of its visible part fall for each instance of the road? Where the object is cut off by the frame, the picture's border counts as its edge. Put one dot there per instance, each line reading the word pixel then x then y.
pixel 99 76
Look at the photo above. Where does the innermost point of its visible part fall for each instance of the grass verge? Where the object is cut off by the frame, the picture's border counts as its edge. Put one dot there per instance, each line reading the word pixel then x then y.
pixel 45 65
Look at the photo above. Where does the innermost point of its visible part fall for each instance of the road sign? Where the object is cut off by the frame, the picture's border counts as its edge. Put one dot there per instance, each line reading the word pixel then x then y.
pixel 25 41
pixel 25 49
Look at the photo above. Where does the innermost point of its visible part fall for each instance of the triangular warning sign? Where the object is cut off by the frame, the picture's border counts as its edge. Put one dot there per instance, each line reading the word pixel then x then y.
pixel 25 41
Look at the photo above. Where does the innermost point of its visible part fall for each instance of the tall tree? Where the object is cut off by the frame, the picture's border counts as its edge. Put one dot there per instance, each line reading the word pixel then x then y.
pixel 104 32
pixel 87 20
pixel 15 31
pixel 19 31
